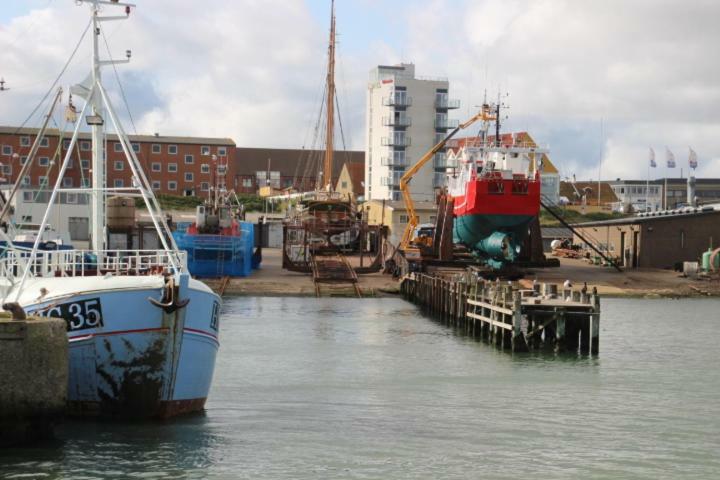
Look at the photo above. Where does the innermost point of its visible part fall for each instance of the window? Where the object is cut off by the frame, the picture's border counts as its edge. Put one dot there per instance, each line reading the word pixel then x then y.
pixel 222 151
pixel 26 180
pixel 156 148
pixel 67 182
pixel 155 185
pixel 71 198
pixel 119 165
pixel 189 159
pixel 85 182
pixel 71 162
pixel 118 147
pixel 7 169
pixel 27 218
pixel 85 146
pixel 136 147
pixel 66 144
pixel 24 141
pixel 42 180
pixel 119 183
pixel 172 186
pixel 43 161
pixel 188 176
pixel 23 160
pixel 85 164
pixel 172 149
pixel 204 151
pixel 247 182
pixel 204 186
pixel 44 142
pixel 404 219
pixel 172 167
pixel 28 196
pixel 156 167
pixel 7 150
pixel 343 185
pixel 223 168
pixel 204 168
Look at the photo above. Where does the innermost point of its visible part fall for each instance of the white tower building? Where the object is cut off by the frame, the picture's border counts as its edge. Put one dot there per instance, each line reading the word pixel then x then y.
pixel 406 116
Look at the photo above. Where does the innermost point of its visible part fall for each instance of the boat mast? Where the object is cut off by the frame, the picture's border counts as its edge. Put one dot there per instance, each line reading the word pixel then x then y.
pixel 97 211
pixel 327 173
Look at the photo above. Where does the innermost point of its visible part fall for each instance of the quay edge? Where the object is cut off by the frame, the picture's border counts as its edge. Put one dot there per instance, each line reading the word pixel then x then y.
pixel 34 373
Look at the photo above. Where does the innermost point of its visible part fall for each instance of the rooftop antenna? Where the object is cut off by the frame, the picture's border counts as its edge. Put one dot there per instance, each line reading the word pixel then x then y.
pixel 3 88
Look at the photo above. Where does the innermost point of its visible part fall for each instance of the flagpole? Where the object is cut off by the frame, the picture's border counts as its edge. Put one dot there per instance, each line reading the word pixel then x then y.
pixel 647 189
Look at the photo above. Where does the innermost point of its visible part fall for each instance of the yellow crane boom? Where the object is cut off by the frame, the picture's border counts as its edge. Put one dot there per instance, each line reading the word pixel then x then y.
pixel 485 115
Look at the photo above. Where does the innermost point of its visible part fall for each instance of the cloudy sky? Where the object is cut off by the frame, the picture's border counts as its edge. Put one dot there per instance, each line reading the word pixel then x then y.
pixel 601 79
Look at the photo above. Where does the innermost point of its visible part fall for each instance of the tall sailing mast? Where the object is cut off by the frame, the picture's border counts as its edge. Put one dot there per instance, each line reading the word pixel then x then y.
pixel 327 172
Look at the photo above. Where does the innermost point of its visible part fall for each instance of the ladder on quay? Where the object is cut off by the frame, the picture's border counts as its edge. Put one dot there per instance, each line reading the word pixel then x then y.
pixel 332 271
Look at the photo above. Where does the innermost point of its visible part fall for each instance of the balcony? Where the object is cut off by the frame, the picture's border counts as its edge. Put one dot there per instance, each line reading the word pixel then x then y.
pixel 445 123
pixel 392 180
pixel 440 160
pixel 395 141
pixel 395 161
pixel 397 121
pixel 397 100
pixel 447 103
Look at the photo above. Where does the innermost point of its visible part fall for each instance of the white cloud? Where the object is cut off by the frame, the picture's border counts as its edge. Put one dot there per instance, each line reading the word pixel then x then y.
pixel 252 70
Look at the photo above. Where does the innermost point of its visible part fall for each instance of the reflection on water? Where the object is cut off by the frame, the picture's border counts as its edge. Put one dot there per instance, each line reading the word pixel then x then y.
pixel 343 388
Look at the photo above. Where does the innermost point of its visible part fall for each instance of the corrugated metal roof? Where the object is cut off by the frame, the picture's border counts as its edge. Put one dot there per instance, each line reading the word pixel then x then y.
pixel 655 217
pixel 53 132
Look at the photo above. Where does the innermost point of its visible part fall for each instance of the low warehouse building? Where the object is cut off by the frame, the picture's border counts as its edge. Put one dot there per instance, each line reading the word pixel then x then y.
pixel 661 239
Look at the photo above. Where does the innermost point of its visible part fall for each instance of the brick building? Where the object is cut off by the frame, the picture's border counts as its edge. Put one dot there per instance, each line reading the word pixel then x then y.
pixel 174 165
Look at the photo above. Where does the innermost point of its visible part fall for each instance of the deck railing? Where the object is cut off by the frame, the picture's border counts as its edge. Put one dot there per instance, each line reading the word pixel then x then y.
pixel 79 263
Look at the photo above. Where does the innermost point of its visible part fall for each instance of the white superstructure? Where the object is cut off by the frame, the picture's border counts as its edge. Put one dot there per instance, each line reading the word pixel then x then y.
pixel 406 116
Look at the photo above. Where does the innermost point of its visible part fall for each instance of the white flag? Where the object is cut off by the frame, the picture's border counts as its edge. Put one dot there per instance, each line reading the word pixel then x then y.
pixel 652 158
pixel 692 159
pixel 670 158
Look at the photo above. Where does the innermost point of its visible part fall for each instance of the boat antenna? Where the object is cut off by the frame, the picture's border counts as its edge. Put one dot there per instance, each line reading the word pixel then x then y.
pixel 3 88
pixel 330 103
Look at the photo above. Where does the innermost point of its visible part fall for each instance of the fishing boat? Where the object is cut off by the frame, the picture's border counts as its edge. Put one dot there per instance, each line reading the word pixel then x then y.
pixel 143 334
pixel 325 221
pixel 495 186
pixel 218 243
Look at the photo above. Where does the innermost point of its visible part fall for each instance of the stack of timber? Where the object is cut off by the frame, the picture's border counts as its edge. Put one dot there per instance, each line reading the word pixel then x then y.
pixel 547 317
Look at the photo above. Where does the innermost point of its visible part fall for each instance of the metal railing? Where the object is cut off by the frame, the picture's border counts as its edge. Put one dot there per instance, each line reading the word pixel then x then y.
pixel 394 161
pixel 395 141
pixel 397 101
pixel 400 121
pixel 446 122
pixel 80 263
pixel 447 103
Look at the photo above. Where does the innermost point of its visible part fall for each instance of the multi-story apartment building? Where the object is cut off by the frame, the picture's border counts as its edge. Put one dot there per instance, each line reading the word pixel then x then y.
pixel 174 165
pixel 406 116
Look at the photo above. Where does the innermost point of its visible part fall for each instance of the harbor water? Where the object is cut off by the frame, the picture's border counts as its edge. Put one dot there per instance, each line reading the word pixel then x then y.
pixel 342 388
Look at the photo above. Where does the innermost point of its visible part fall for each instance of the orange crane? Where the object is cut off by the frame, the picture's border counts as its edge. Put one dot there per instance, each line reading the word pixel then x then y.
pixel 486 114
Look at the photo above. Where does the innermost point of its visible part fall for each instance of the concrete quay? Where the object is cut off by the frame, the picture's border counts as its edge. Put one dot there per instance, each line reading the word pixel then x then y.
pixel 272 281
pixel 33 378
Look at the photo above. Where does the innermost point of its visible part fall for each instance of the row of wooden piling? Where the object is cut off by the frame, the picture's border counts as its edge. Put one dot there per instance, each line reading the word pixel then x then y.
pixel 546 317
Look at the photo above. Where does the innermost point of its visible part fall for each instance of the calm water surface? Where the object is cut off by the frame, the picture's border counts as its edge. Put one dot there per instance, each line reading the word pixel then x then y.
pixel 343 388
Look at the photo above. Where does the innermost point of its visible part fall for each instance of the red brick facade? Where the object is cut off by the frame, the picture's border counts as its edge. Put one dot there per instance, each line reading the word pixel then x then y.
pixel 174 165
